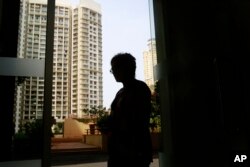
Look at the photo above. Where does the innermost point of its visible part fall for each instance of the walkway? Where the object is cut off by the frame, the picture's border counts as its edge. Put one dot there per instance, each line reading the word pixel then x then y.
pixel 102 164
pixel 78 154
pixel 71 146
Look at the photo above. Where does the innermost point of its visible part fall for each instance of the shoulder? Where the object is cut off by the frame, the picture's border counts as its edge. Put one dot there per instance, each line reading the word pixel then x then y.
pixel 140 85
pixel 120 91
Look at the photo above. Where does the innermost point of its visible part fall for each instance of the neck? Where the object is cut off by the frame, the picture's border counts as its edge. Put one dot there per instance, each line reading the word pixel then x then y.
pixel 128 82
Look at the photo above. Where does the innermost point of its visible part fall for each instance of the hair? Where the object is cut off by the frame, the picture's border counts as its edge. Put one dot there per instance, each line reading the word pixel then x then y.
pixel 125 61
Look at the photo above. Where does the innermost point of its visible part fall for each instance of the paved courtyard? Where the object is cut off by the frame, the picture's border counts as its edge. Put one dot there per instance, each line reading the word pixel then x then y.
pixel 78 154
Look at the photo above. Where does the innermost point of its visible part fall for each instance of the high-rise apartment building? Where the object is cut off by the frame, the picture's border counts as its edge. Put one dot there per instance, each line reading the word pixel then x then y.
pixel 32 45
pixel 86 70
pixel 150 61
pixel 77 63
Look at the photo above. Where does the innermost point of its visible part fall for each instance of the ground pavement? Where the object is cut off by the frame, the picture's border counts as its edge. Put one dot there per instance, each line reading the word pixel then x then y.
pixel 79 154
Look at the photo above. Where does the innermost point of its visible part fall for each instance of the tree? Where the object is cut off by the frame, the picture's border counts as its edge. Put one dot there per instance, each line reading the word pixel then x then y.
pixel 155 121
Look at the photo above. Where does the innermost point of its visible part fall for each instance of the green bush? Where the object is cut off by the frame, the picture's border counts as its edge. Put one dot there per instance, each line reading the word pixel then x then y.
pixel 27 143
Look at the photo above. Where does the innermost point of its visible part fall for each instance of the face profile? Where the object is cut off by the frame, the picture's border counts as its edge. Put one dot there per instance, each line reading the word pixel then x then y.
pixel 117 73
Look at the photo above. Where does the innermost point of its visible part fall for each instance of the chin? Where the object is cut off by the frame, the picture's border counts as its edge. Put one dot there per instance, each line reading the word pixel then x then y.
pixel 117 79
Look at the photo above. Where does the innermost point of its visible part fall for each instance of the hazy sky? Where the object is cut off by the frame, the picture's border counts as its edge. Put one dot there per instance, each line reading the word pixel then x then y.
pixel 126 28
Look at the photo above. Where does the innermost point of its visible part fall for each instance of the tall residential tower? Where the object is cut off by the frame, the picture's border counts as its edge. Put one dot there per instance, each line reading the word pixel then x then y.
pixel 86 71
pixel 32 45
pixel 77 63
pixel 150 61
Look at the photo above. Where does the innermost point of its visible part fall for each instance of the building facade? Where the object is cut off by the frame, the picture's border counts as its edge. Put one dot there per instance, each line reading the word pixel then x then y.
pixel 150 62
pixel 86 71
pixel 32 45
pixel 77 59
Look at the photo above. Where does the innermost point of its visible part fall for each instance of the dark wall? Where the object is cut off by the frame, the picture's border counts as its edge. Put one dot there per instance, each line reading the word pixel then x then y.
pixel 8 48
pixel 206 45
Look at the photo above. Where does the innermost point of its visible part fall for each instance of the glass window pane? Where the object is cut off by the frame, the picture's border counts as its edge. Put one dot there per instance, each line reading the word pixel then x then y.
pixel 29 90
pixel 23 92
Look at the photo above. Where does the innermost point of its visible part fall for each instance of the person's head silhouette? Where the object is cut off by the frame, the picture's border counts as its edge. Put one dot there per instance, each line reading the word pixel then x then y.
pixel 123 67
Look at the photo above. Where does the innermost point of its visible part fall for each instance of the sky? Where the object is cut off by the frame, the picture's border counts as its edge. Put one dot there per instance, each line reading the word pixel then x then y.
pixel 125 28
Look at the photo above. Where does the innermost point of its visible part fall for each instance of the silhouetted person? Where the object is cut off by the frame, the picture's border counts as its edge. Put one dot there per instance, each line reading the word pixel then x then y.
pixel 129 142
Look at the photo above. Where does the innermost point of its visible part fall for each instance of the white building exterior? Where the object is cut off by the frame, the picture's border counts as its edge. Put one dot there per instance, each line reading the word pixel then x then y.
pixel 77 64
pixel 150 61
pixel 32 45
pixel 86 71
